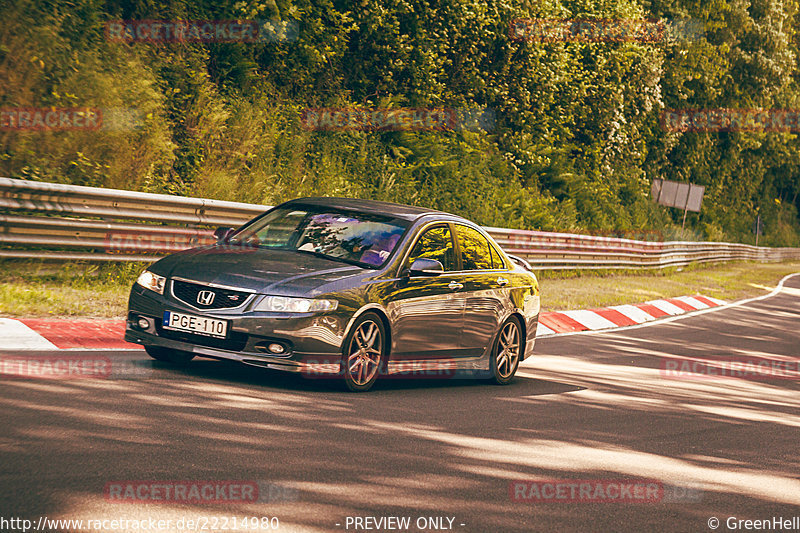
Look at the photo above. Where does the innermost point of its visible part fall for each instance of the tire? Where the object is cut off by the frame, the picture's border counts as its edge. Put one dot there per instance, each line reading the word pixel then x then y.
pixel 364 353
pixel 166 355
pixel 506 353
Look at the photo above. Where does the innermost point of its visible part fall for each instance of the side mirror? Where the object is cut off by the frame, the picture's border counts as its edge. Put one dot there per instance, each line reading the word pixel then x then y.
pixel 222 234
pixel 423 266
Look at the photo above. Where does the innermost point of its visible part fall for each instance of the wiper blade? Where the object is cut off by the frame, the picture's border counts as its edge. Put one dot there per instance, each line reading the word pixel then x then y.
pixel 236 242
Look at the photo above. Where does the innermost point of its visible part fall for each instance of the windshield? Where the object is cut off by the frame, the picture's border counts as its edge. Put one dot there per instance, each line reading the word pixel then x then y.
pixel 360 238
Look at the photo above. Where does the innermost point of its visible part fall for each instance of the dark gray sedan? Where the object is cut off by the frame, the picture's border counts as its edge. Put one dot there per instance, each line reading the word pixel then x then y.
pixel 343 287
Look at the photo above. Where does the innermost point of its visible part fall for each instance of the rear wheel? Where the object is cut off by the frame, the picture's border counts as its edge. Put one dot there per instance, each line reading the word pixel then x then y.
pixel 363 354
pixel 175 357
pixel 506 353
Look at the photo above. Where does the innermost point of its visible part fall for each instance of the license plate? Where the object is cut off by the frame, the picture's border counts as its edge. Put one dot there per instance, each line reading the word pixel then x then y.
pixel 200 325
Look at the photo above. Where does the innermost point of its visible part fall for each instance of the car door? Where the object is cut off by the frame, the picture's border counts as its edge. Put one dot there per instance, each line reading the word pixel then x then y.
pixel 486 289
pixel 427 311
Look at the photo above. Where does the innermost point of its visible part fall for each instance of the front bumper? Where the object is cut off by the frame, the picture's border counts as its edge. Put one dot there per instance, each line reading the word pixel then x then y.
pixel 312 340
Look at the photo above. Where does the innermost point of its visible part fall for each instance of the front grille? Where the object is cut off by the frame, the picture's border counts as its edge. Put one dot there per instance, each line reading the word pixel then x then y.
pixel 235 342
pixel 222 298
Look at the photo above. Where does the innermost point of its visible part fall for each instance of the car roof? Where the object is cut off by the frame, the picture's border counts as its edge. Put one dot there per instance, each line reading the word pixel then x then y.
pixel 406 212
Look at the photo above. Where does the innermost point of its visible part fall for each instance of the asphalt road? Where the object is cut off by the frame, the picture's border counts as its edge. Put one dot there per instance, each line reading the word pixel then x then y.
pixel 599 408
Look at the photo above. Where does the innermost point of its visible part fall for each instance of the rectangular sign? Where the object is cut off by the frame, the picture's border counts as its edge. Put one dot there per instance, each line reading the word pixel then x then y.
pixel 686 196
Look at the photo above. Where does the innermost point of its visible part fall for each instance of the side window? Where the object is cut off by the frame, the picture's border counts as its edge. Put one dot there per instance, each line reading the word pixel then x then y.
pixel 435 243
pixel 475 253
pixel 497 262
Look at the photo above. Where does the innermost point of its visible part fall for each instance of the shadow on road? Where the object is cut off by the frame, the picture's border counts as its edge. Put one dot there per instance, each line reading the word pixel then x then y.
pixel 230 372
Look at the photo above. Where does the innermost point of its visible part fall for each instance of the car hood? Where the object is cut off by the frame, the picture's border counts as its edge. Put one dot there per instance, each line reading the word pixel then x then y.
pixel 265 271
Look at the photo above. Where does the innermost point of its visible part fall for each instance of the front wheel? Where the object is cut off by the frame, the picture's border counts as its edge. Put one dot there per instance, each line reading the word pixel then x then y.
pixel 175 357
pixel 506 353
pixel 363 354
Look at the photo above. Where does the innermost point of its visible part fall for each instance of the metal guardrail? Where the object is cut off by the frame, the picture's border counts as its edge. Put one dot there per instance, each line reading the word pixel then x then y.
pixel 548 250
pixel 70 222
pixel 118 204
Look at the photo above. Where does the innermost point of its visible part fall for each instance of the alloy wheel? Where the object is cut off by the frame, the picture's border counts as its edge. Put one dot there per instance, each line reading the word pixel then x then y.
pixel 365 353
pixel 507 353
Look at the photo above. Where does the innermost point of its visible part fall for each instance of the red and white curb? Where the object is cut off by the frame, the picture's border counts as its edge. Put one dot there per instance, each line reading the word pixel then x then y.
pixel 60 334
pixel 619 316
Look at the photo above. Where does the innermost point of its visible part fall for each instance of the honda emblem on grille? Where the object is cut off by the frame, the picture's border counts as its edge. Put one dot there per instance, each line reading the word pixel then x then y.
pixel 205 297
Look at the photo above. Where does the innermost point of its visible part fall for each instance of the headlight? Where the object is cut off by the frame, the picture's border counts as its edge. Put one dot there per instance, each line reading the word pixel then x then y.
pixel 151 281
pixel 285 304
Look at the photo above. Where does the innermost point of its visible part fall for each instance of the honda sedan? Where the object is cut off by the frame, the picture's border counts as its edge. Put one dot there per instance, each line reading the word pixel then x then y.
pixel 352 289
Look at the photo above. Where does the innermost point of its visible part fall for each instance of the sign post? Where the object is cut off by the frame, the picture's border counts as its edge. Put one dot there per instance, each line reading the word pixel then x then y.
pixel 758 227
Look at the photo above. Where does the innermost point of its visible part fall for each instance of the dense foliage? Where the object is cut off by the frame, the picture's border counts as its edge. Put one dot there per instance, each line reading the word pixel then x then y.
pixel 576 141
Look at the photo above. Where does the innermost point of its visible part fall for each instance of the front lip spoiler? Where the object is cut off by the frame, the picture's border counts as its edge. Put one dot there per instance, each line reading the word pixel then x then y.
pixel 326 366
pixel 283 365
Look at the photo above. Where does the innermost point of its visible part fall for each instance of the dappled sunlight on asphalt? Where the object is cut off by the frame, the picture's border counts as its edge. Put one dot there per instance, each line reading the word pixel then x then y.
pixel 749 415
pixel 332 446
pixel 602 457
pixel 647 388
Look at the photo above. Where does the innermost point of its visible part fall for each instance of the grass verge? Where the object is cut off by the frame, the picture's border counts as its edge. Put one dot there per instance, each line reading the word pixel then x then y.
pixel 34 289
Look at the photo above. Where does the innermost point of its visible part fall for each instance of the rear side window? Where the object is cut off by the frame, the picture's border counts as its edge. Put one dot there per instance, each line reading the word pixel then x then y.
pixel 475 249
pixel 497 263
pixel 435 243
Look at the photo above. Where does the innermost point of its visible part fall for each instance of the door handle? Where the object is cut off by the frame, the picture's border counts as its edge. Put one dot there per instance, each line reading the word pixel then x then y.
pixel 454 285
pixel 502 282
